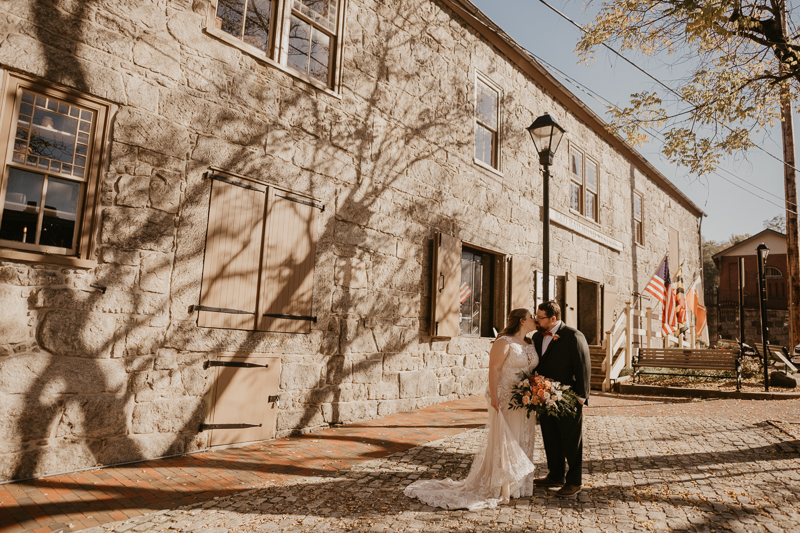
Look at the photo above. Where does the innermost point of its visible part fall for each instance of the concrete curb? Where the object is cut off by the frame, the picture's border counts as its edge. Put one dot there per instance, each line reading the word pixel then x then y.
pixel 652 390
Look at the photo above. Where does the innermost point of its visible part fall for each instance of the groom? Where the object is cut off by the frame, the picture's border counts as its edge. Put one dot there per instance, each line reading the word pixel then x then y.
pixel 565 358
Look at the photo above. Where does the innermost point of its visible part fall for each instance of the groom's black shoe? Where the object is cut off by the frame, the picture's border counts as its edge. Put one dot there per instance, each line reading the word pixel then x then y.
pixel 569 491
pixel 547 482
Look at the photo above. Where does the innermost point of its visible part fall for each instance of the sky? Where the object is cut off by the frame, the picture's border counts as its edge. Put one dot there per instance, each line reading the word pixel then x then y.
pixel 733 200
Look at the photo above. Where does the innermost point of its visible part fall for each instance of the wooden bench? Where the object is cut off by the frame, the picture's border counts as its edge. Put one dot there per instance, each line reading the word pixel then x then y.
pixel 679 358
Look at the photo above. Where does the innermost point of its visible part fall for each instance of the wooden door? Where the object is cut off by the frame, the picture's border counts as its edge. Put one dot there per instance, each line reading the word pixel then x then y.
pixel 243 403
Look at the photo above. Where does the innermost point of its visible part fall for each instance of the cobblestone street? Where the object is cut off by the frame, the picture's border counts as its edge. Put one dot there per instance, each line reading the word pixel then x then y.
pixel 677 471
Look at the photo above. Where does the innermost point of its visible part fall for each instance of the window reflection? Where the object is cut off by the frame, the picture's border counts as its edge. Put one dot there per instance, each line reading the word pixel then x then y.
pixel 60 210
pixel 21 208
pixel 51 135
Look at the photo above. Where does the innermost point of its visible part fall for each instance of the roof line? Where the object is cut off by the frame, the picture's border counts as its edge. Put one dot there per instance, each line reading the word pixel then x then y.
pixel 519 55
pixel 747 240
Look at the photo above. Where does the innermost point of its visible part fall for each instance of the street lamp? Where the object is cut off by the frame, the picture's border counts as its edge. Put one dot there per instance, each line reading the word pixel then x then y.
pixel 546 135
pixel 763 252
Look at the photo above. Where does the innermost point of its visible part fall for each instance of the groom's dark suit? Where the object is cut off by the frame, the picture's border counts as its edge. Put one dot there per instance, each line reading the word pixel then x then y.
pixel 566 360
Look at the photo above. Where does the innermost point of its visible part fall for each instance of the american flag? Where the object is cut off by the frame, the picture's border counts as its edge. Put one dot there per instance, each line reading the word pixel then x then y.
pixel 465 292
pixel 661 287
pixel 657 285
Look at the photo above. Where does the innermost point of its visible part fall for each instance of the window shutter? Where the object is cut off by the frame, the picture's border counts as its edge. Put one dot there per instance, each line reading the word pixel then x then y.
pixel 446 285
pixel 609 304
pixel 233 246
pixel 521 283
pixel 571 300
pixel 288 258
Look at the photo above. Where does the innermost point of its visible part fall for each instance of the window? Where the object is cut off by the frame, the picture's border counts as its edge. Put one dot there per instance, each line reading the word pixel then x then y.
pixel 487 120
pixel 475 293
pixel 638 226
pixel 303 35
pixel 469 288
pixel 772 272
pixel 50 175
pixel 583 186
pixel 258 269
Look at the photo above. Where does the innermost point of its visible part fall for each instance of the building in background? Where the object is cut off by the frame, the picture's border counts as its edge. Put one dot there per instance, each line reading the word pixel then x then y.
pixel 725 316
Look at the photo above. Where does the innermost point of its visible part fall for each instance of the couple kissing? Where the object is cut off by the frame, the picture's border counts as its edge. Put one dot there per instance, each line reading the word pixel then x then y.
pixel 503 468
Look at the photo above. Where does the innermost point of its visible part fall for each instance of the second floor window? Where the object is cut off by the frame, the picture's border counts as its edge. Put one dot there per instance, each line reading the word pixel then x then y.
pixel 487 120
pixel 583 187
pixel 301 34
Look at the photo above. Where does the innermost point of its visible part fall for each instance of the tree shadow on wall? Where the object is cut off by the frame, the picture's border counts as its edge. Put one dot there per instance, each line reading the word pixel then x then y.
pixel 382 165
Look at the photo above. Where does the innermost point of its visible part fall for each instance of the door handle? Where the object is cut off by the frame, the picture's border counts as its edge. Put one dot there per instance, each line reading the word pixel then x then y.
pixel 441 278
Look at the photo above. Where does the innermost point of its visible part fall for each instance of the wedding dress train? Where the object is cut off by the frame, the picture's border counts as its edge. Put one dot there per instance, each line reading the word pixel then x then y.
pixel 503 468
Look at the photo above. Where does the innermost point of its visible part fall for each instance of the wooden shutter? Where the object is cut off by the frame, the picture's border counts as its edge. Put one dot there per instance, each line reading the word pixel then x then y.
pixel 539 289
pixel 446 314
pixel 571 300
pixel 674 251
pixel 521 283
pixel 609 305
pixel 290 248
pixel 231 263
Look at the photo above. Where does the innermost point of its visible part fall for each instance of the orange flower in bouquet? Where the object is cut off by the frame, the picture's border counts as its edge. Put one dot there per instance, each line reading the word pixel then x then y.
pixel 543 396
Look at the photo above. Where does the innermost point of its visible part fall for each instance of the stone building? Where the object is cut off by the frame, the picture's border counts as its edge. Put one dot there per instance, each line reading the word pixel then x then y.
pixel 219 228
pixel 726 315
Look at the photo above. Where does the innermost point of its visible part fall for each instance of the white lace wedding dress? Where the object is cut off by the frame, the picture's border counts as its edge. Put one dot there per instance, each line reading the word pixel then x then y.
pixel 503 468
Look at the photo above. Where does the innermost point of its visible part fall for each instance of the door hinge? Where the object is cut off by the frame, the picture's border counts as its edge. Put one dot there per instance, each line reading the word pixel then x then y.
pixel 206 427
pixel 236 364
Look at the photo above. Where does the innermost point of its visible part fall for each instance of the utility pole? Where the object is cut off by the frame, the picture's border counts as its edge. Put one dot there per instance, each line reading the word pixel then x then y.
pixel 790 187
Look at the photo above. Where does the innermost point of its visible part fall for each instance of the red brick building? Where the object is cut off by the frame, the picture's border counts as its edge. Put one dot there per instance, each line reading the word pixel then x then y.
pixel 723 321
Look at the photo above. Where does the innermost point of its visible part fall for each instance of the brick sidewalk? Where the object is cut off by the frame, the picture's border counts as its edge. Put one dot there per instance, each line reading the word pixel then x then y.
pixel 92 498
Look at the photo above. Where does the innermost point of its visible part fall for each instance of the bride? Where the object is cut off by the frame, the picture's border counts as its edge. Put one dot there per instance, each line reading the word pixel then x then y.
pixel 503 469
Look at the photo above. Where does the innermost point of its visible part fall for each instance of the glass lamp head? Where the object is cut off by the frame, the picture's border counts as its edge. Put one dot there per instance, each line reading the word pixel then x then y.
pixel 546 135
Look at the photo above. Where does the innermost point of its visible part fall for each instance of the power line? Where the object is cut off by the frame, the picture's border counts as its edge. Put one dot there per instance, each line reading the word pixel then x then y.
pixel 670 89
pixel 654 134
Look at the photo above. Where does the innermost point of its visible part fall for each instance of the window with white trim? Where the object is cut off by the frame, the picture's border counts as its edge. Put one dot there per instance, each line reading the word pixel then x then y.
pixel 487 123
pixel 584 184
pixel 303 35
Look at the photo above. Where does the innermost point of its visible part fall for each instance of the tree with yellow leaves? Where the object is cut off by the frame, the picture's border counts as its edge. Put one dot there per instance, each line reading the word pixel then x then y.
pixel 744 65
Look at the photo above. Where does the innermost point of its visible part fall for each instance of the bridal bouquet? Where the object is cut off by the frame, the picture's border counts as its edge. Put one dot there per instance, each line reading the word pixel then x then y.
pixel 543 396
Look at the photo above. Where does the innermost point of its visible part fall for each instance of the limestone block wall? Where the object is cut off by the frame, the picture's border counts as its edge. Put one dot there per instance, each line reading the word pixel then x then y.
pixel 91 376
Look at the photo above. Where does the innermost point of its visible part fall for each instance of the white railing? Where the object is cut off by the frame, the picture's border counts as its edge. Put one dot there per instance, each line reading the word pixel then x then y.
pixel 624 335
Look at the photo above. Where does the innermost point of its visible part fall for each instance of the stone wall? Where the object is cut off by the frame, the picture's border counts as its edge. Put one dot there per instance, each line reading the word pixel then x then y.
pixel 97 377
pixel 724 323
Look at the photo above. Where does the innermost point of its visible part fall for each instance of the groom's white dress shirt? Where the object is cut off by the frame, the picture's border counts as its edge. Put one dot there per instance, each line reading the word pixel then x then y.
pixel 547 338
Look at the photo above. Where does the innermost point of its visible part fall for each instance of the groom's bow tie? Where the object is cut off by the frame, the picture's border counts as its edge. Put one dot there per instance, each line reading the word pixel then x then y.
pixel 547 334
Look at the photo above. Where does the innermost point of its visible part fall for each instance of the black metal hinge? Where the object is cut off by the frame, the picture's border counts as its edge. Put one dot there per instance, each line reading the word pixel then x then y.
pixel 292 317
pixel 233 182
pixel 206 427
pixel 301 201
pixel 220 310
pixel 237 364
